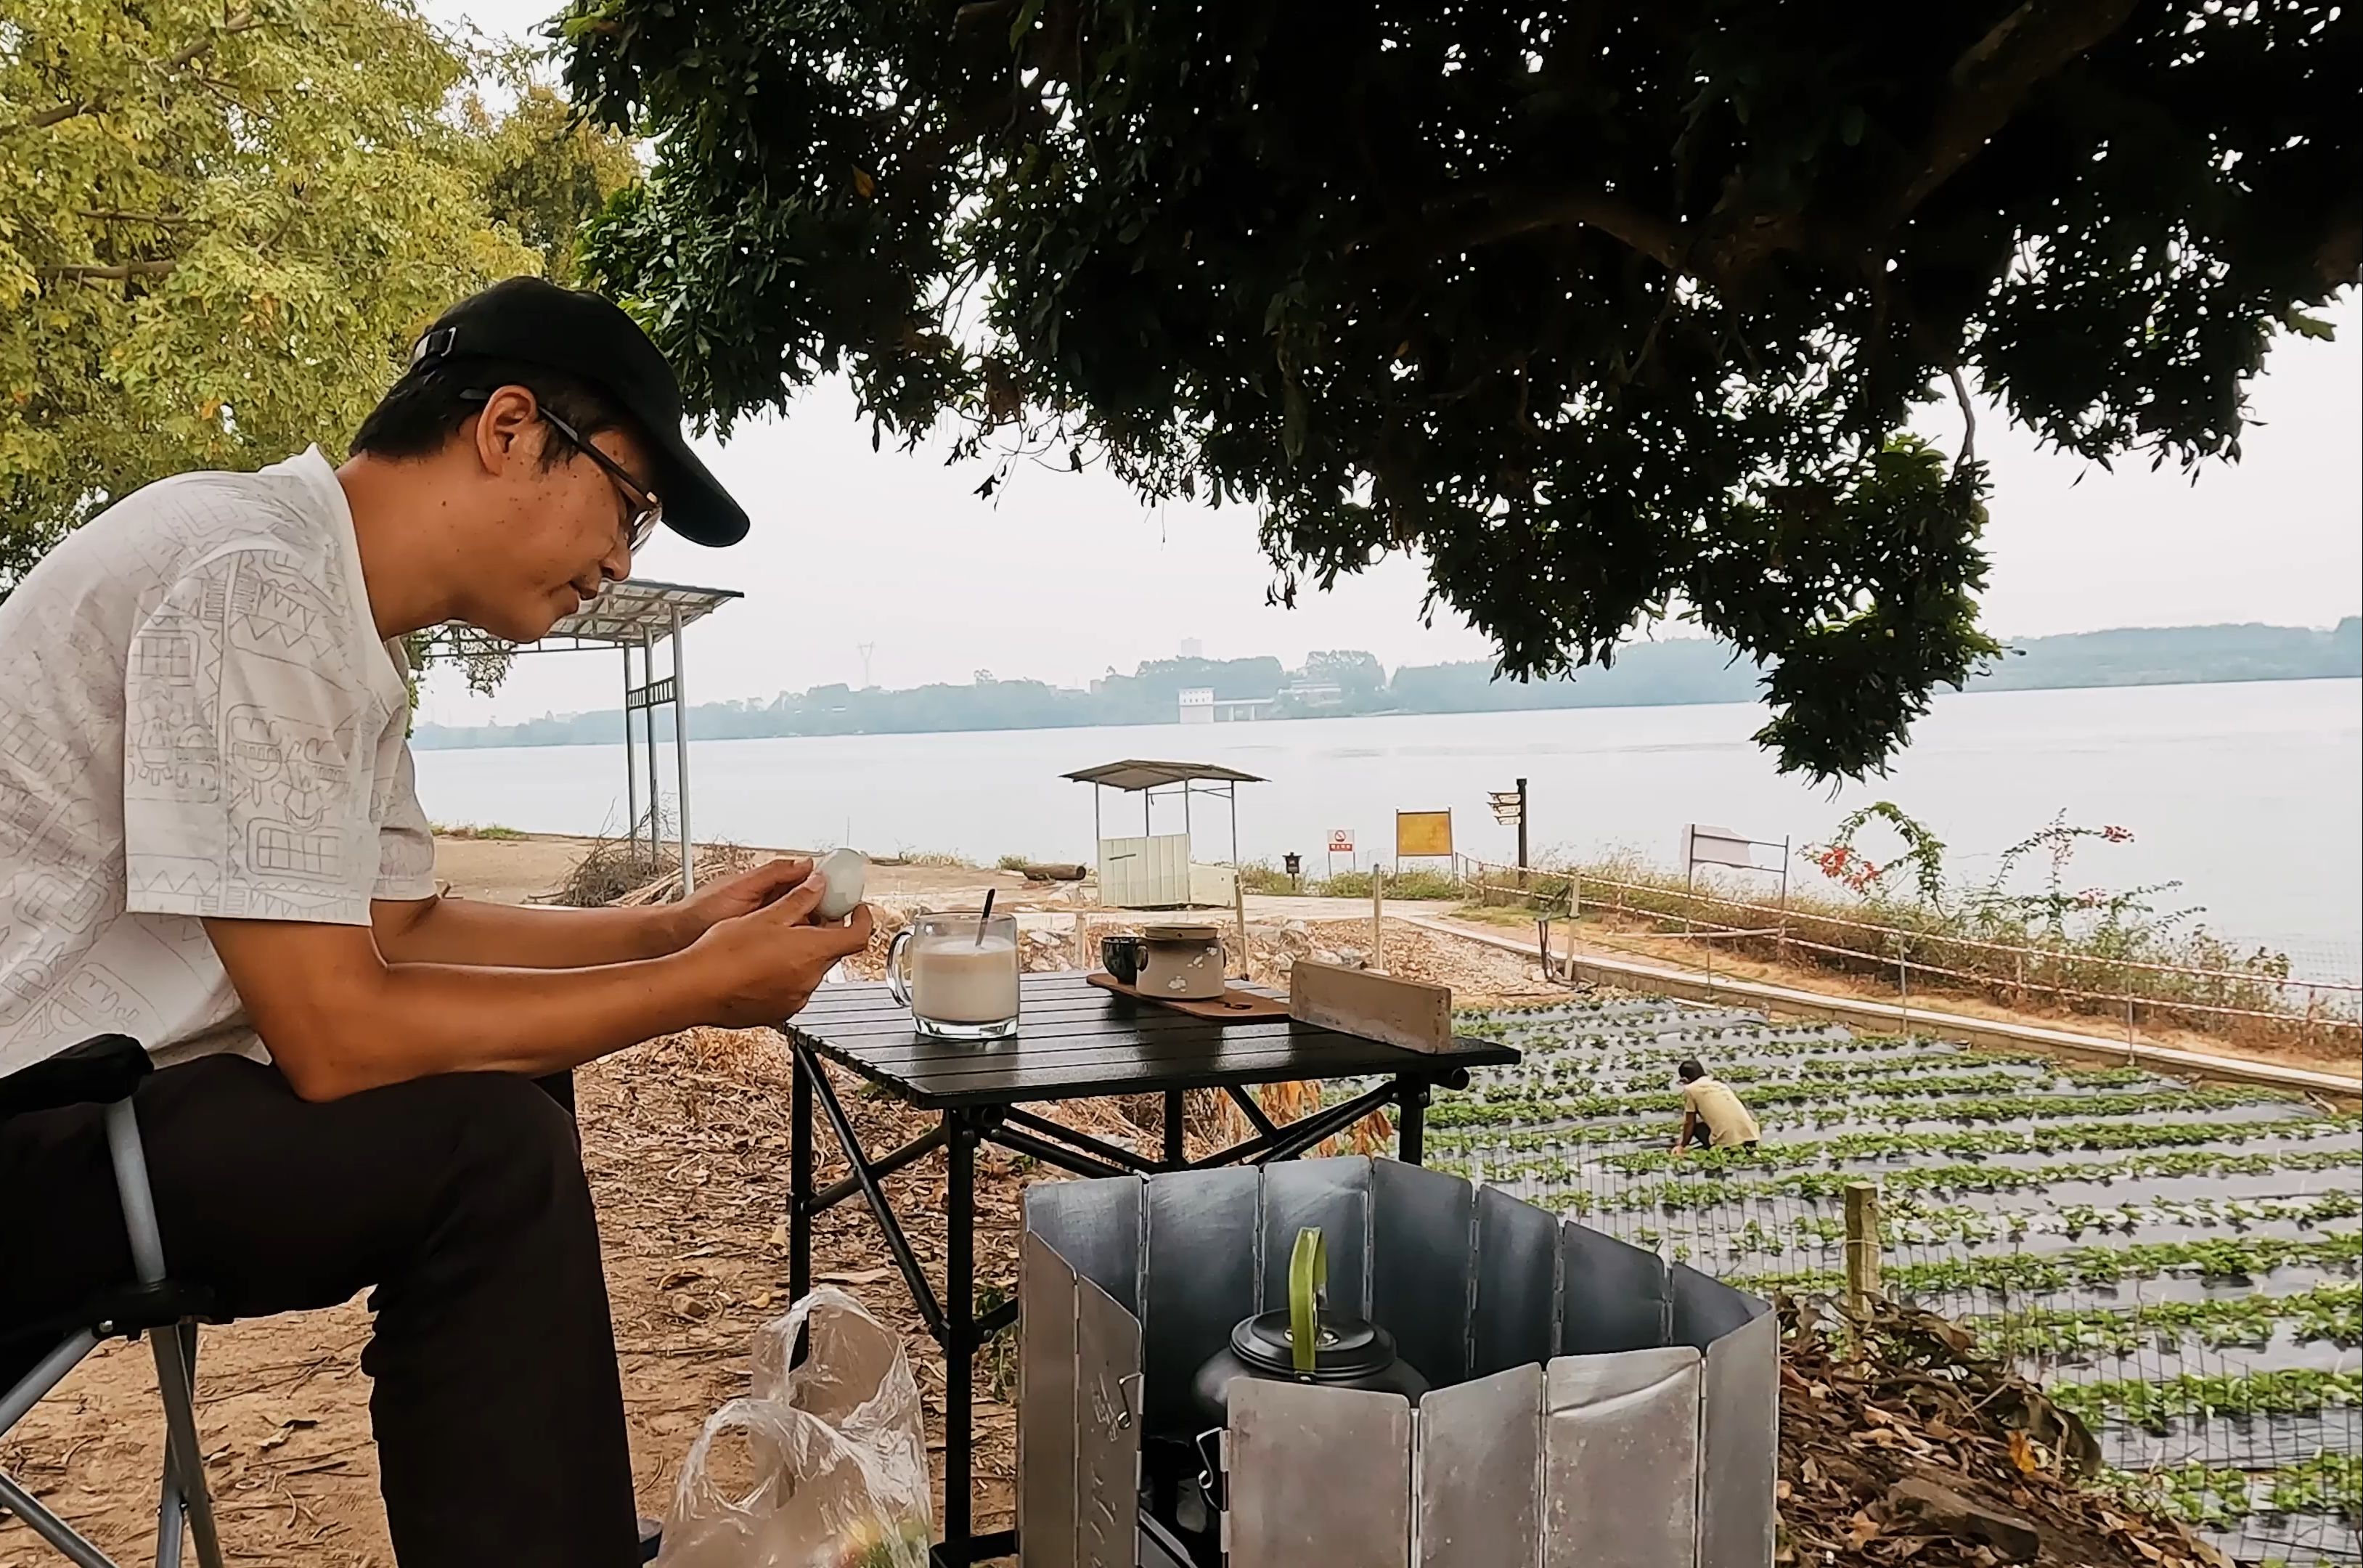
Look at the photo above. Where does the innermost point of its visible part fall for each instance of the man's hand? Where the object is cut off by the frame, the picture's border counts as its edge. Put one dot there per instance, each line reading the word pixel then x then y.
pixel 764 965
pixel 741 895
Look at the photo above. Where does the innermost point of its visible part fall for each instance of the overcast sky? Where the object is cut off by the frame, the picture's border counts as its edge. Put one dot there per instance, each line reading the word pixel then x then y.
pixel 1062 575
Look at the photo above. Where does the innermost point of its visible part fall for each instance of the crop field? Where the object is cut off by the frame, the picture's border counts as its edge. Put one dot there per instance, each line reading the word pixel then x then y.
pixel 2182 1265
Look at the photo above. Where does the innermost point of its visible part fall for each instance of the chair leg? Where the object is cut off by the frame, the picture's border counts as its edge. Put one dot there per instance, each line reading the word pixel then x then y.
pixel 176 1381
pixel 184 1460
pixel 168 1522
pixel 171 1520
pixel 51 1528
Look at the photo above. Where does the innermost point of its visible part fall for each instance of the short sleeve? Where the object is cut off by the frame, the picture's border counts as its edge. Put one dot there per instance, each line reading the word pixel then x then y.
pixel 250 745
pixel 406 839
pixel 1690 1096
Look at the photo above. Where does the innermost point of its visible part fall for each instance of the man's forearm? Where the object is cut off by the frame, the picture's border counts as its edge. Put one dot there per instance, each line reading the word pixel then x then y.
pixel 426 1018
pixel 470 933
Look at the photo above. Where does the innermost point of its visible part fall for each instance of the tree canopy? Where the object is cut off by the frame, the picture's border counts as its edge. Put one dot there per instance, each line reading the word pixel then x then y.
pixel 1609 313
pixel 221 227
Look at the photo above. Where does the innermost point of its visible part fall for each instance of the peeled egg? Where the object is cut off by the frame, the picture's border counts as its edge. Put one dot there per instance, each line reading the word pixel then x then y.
pixel 842 871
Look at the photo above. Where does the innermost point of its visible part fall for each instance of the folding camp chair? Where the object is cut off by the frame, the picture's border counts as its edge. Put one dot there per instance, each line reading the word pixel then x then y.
pixel 104 1072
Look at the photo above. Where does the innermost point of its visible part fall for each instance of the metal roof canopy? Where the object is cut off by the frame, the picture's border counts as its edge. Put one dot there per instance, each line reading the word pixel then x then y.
pixel 630 614
pixel 624 615
pixel 1134 774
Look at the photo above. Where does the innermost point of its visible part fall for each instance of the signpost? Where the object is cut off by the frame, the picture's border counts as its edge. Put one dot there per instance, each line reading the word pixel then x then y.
pixel 1341 842
pixel 1510 811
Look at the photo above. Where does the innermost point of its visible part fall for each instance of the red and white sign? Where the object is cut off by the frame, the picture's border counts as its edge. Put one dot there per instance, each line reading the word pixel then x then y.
pixel 1341 841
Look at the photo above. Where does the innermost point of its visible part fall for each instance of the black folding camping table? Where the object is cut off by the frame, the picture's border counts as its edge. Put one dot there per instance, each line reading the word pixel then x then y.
pixel 1076 1042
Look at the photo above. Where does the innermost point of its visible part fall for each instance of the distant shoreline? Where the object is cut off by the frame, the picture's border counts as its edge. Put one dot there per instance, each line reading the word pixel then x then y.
pixel 436 741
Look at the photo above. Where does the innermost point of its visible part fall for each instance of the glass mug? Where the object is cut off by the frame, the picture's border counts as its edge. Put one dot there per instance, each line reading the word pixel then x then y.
pixel 958 982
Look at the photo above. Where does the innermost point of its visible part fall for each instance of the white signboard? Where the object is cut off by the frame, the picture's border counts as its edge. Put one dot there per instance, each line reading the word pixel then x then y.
pixel 1704 845
pixel 1341 841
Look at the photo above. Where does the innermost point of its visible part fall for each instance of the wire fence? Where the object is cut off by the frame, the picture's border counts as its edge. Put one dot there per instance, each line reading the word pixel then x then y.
pixel 2256 998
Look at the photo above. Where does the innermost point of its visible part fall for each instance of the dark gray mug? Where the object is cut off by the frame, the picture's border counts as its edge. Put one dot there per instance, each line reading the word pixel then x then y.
pixel 1120 956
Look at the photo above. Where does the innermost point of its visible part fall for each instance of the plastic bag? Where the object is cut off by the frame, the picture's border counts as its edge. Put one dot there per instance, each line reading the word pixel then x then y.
pixel 839 1453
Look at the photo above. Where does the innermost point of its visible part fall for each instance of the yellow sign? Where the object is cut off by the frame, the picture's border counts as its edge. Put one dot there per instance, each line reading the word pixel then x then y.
pixel 1421 833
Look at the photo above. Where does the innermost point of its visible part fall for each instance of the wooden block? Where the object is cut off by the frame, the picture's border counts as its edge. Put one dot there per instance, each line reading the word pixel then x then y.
pixel 1408 1013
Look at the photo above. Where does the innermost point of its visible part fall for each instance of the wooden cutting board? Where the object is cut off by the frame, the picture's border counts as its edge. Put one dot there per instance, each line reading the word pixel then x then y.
pixel 1236 1004
pixel 1408 1013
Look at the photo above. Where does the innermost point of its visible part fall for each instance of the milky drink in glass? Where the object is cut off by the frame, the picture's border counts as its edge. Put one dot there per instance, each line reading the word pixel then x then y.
pixel 959 982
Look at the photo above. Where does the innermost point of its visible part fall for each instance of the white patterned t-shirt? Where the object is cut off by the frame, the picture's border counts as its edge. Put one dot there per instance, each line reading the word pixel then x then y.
pixel 200 720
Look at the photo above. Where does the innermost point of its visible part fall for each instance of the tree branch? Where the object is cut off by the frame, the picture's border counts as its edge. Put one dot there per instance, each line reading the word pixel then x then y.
pixel 1969 416
pixel 189 54
pixel 1496 215
pixel 116 273
pixel 163 220
pixel 1992 79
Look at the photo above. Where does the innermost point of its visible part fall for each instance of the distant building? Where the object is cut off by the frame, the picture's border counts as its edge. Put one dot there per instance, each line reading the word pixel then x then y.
pixel 1314 694
pixel 1199 705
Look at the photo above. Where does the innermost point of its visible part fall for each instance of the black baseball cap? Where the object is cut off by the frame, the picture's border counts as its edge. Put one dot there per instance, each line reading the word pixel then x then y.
pixel 536 322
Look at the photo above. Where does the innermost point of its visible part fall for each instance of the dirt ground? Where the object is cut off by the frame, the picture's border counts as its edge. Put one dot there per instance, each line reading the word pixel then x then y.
pixel 687 1143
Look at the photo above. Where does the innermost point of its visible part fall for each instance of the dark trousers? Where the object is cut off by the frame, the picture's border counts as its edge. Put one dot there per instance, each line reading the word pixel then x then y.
pixel 461 1199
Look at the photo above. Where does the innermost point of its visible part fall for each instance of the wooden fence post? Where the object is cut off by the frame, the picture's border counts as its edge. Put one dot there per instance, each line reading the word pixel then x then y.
pixel 1239 907
pixel 1378 913
pixel 1903 984
pixel 1862 1246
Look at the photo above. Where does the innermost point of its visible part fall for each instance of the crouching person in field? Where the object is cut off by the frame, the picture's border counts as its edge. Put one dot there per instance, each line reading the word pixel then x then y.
pixel 1709 1107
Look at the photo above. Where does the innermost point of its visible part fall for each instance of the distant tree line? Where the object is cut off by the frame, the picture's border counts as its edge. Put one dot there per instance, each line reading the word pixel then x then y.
pixel 1350 681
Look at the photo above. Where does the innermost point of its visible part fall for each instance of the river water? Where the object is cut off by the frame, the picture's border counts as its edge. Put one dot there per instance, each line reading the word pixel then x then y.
pixel 2249 795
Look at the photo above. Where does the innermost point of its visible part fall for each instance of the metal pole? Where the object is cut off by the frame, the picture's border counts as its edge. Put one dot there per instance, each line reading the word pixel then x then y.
pixel 680 759
pixel 631 777
pixel 1522 832
pixel 960 1327
pixel 1378 913
pixel 801 1069
pixel 1186 792
pixel 656 799
pixel 1784 945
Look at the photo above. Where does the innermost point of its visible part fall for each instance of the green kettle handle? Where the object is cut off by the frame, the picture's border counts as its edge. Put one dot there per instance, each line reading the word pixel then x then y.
pixel 1308 1280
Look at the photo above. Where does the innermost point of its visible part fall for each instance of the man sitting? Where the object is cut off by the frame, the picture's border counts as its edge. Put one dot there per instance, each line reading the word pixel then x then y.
pixel 1707 1101
pixel 209 841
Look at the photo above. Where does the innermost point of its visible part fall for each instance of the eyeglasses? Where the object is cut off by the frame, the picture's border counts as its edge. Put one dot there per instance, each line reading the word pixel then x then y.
pixel 643 510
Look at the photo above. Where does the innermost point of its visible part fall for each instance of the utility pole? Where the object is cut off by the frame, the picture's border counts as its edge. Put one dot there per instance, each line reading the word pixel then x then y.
pixel 866 650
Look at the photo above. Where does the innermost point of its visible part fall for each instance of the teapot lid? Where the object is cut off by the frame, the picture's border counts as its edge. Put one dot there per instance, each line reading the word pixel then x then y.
pixel 1180 933
pixel 1346 1346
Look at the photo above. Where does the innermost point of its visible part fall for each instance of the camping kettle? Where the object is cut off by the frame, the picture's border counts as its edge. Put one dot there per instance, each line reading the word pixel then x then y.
pixel 1305 1342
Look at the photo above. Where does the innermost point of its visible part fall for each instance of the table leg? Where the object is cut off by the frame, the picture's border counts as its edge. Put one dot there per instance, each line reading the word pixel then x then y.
pixel 959 1325
pixel 1411 1131
pixel 1176 1155
pixel 801 1068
